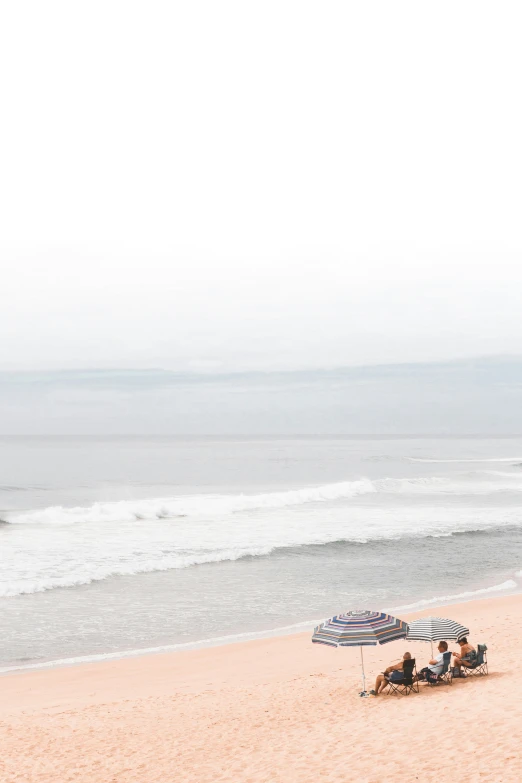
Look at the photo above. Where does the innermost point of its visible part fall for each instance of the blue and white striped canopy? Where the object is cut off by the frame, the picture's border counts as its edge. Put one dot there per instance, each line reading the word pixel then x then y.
pixel 360 629
pixel 433 629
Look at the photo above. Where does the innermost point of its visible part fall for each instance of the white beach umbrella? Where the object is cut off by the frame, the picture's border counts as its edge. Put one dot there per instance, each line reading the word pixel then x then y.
pixel 433 629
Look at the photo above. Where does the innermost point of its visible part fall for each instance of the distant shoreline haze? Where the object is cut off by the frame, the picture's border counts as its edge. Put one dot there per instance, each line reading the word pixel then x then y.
pixel 464 397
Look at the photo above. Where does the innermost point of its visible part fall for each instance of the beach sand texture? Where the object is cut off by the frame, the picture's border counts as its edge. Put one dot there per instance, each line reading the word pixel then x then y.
pixel 279 709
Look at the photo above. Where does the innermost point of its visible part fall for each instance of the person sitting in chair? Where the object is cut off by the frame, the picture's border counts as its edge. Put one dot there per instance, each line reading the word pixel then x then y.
pixel 467 656
pixel 391 674
pixel 435 667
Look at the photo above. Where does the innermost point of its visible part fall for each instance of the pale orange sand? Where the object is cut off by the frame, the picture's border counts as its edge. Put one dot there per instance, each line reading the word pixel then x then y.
pixel 280 709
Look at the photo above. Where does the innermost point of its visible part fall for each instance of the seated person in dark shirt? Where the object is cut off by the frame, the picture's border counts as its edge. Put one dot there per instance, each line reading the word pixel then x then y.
pixel 467 656
pixel 393 673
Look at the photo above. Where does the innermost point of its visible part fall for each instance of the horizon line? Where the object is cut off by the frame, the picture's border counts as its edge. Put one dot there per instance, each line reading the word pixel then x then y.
pixel 490 358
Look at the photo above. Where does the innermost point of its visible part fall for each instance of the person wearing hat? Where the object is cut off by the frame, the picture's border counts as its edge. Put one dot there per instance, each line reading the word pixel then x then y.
pixel 466 657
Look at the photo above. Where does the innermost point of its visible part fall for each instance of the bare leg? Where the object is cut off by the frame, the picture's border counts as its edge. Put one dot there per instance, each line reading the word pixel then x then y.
pixel 380 684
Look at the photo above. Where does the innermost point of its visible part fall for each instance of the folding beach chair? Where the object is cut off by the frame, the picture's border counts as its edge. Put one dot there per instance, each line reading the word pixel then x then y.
pixel 446 676
pixel 480 666
pixel 408 682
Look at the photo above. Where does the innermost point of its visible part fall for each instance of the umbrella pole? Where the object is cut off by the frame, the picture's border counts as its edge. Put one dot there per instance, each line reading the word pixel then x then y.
pixel 431 650
pixel 363 677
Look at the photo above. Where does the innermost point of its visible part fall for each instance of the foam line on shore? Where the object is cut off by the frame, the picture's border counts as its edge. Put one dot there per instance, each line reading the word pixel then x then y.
pixel 465 597
pixel 469 596
pixel 216 641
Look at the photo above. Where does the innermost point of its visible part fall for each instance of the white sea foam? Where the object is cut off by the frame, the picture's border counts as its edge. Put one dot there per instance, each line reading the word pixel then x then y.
pixel 57 557
pixel 447 461
pixel 195 505
pixel 219 505
pixel 69 547
pixel 82 575
pixel 215 641
pixel 441 600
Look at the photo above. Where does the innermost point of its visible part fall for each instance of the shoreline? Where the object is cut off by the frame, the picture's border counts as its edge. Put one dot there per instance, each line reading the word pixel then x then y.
pixel 230 641
pixel 487 593
pixel 138 658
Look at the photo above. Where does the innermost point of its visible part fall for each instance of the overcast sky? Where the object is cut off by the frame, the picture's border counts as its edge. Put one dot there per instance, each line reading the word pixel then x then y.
pixel 259 185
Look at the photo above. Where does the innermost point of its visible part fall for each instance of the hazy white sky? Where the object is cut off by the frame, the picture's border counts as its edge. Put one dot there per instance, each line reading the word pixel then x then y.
pixel 257 185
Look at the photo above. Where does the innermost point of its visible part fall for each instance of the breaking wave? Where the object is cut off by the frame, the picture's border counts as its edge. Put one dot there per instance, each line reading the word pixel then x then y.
pixel 197 505
pixel 222 505
pixel 447 461
pixel 70 547
pixel 100 564
pixel 97 573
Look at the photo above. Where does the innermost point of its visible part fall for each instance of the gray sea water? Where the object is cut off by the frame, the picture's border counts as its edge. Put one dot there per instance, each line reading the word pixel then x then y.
pixel 119 544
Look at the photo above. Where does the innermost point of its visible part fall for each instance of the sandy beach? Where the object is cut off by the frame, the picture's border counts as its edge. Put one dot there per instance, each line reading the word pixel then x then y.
pixel 279 709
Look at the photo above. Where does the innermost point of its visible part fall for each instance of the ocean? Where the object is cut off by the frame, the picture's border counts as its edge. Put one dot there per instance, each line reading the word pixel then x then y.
pixel 111 546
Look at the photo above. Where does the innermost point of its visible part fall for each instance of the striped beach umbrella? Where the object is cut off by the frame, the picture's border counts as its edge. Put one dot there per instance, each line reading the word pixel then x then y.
pixel 433 629
pixel 360 629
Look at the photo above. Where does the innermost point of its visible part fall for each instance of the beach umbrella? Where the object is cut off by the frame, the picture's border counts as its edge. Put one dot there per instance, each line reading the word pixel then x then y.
pixel 433 629
pixel 360 629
